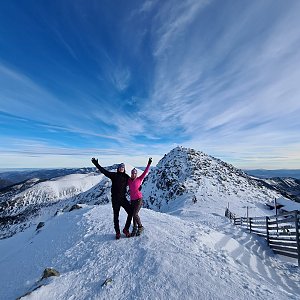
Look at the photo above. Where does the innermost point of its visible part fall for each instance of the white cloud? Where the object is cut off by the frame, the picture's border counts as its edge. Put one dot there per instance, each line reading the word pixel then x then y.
pixel 22 97
pixel 253 92
pixel 120 78
pixel 228 86
pixel 173 20
pixel 39 153
pixel 146 6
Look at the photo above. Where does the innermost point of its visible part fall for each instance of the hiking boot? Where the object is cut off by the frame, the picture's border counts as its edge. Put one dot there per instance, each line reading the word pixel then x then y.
pixel 118 235
pixel 126 232
pixel 140 230
pixel 134 231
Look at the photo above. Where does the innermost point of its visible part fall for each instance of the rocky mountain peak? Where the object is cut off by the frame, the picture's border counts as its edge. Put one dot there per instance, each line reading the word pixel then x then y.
pixel 185 175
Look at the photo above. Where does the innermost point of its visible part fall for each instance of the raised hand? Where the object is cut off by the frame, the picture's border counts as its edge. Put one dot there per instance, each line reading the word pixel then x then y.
pixel 95 161
pixel 150 161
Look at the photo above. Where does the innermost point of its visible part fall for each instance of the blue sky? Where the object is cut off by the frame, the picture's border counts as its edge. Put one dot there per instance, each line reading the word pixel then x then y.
pixel 125 80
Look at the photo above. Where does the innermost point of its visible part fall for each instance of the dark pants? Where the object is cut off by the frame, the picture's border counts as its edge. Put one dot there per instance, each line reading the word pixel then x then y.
pixel 136 206
pixel 116 208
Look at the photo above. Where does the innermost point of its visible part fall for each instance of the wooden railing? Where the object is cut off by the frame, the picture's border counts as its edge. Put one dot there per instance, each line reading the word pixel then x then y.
pixel 281 231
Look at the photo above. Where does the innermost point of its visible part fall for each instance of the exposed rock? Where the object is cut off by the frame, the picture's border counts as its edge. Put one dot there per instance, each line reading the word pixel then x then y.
pixel 48 272
pixel 106 282
pixel 40 225
pixel 74 207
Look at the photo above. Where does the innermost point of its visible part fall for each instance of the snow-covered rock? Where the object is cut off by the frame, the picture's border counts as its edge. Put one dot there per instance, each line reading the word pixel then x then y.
pixel 186 177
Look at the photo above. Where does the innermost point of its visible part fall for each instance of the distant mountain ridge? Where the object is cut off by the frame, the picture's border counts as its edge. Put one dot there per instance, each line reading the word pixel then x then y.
pixel 261 173
pixel 183 178
pixel 288 187
pixel 37 200
pixel 9 178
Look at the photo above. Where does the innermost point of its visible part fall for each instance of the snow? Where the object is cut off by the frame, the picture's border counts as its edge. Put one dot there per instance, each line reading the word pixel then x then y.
pixel 177 257
pixel 288 205
pixel 188 250
pixel 185 174
pixel 59 188
pixel 43 200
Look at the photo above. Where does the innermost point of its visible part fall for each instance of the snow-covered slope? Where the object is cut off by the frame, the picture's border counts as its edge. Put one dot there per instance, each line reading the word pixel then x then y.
pixel 185 177
pixel 43 199
pixel 12 177
pixel 193 252
pixel 174 259
pixel 34 200
pixel 287 186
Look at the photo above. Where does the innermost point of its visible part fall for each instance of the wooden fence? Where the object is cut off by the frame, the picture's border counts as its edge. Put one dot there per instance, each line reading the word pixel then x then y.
pixel 281 231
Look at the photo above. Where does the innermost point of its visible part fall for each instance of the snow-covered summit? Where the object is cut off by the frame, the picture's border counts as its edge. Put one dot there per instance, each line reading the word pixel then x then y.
pixel 186 177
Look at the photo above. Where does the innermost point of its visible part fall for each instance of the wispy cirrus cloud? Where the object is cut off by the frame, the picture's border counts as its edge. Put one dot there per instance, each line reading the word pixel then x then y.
pixel 174 20
pixel 234 84
pixel 21 97
pixel 206 74
pixel 24 98
pixel 42 153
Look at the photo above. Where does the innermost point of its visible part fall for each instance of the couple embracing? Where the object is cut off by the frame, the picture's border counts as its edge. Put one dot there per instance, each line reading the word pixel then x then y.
pixel 120 180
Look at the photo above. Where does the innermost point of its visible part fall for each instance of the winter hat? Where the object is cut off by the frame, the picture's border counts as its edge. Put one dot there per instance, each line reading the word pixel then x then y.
pixel 121 165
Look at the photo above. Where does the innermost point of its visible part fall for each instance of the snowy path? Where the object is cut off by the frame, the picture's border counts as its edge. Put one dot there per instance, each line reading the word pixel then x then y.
pixel 200 257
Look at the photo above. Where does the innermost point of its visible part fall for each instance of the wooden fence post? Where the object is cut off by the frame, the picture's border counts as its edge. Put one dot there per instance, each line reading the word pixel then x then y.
pixel 247 217
pixel 297 235
pixel 267 227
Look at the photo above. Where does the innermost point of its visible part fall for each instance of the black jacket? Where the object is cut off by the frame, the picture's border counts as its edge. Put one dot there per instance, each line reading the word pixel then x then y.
pixel 119 183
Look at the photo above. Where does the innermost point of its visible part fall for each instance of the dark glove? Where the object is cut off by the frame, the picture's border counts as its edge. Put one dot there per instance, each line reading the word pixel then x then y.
pixel 150 161
pixel 95 161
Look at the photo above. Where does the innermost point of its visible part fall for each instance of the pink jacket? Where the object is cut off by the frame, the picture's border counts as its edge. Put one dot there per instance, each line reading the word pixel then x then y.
pixel 134 185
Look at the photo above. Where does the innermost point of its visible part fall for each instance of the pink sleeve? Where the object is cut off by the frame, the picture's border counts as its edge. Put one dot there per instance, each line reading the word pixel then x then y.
pixel 144 173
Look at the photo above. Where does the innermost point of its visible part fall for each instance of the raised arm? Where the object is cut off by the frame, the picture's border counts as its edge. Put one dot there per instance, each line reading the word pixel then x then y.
pixel 146 170
pixel 101 169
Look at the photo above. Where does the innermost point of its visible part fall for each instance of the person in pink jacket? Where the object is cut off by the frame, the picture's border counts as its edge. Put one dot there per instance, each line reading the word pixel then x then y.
pixel 136 197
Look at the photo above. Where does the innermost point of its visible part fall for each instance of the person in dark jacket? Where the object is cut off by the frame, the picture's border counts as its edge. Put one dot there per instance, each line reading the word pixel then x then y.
pixel 119 181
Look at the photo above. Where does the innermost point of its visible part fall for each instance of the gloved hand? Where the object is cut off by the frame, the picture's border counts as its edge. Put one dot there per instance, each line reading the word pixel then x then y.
pixel 150 161
pixel 95 161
